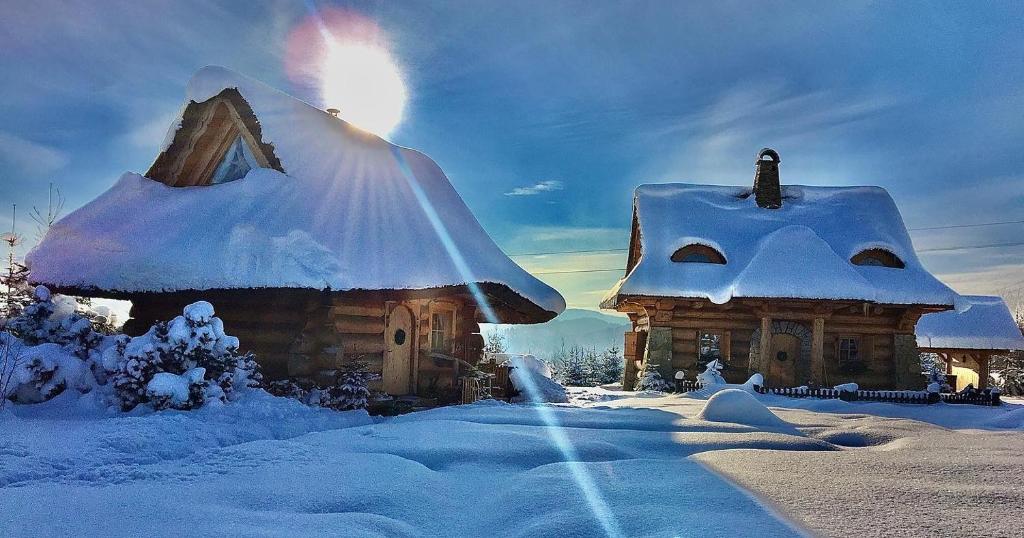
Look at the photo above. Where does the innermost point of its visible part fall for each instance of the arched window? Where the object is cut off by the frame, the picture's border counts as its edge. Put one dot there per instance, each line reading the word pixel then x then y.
pixel 878 257
pixel 698 254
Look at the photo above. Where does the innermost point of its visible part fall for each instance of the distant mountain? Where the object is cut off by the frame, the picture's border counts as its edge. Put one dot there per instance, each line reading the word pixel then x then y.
pixel 574 327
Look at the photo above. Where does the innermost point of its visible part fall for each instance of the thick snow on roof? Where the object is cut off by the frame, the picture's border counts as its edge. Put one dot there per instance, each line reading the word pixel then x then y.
pixel 353 211
pixel 986 323
pixel 801 250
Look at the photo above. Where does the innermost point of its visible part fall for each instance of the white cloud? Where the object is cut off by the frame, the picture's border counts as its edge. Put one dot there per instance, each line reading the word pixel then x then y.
pixel 28 157
pixel 543 186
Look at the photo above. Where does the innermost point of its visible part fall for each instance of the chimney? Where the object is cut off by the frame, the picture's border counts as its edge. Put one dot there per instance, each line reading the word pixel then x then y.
pixel 333 111
pixel 767 191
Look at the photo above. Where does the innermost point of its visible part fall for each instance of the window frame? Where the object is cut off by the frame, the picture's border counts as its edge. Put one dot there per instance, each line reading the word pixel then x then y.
pixel 858 350
pixel 446 332
pixel 711 255
pixel 884 257
pixel 724 346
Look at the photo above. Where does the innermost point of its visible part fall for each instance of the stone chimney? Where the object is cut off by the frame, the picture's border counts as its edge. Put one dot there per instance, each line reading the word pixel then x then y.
pixel 767 191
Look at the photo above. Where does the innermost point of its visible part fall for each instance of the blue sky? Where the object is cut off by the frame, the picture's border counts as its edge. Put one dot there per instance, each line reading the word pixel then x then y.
pixel 545 115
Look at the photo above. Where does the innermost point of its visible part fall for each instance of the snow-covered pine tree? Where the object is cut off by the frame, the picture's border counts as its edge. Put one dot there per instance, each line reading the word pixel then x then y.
pixel 610 366
pixel 351 388
pixel 188 343
pixel 495 343
pixel 573 371
pixel 650 379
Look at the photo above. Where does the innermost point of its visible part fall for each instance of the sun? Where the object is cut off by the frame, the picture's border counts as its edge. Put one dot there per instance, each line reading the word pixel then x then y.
pixel 362 81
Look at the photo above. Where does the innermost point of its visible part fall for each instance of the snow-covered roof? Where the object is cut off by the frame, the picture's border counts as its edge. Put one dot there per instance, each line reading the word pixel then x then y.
pixel 801 250
pixel 986 323
pixel 350 212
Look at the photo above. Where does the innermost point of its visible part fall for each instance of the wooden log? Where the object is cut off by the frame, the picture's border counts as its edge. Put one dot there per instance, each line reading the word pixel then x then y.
pixel 340 309
pixel 358 325
pixel 356 344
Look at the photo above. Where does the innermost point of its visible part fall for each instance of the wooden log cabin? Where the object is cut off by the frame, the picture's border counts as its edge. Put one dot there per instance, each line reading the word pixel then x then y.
pixel 316 242
pixel 805 285
pixel 967 339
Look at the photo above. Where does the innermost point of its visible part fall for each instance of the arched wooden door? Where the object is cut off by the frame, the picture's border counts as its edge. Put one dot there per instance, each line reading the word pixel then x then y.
pixel 785 352
pixel 398 357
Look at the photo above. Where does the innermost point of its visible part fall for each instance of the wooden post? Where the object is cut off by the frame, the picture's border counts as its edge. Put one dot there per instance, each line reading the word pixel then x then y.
pixel 983 359
pixel 766 345
pixel 818 349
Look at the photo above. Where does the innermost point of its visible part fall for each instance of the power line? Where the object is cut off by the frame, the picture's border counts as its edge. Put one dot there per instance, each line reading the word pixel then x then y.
pixel 965 225
pixel 577 271
pixel 568 252
pixel 948 227
pixel 945 249
pixel 970 247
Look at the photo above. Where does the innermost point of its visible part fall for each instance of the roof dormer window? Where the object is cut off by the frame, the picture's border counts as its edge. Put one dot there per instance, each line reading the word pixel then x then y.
pixel 877 257
pixel 235 164
pixel 698 254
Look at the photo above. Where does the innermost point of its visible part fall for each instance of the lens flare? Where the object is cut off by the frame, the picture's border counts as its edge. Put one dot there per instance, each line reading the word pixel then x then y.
pixel 363 82
pixel 347 58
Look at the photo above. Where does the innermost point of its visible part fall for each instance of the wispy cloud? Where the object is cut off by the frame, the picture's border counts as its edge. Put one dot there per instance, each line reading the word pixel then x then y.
pixel 28 157
pixel 532 190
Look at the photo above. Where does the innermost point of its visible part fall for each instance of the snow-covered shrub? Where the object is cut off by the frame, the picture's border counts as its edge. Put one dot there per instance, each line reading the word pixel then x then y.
pixel 351 388
pixel 173 391
pixel 194 340
pixel 55 348
pixel 650 379
pixel 712 374
pixel 847 387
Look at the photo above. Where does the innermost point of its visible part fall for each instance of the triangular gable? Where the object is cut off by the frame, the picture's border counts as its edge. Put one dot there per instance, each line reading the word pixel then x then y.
pixel 209 131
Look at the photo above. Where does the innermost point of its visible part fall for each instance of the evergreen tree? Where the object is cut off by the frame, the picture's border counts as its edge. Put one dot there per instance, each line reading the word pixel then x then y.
pixel 351 388
pixel 610 366
pixel 573 371
pixel 495 343
pixel 650 379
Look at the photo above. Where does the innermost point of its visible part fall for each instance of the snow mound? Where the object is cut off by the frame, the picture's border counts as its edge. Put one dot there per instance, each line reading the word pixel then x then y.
pixel 532 378
pixel 739 407
pixel 847 387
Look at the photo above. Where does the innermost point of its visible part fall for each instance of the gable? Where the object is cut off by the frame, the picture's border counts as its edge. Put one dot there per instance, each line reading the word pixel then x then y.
pixel 214 136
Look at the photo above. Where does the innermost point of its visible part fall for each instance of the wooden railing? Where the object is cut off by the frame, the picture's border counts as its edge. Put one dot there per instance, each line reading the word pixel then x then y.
pixel 986 397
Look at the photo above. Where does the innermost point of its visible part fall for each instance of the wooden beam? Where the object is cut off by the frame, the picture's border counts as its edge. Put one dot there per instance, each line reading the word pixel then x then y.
pixel 818 348
pixel 766 340
pixel 983 368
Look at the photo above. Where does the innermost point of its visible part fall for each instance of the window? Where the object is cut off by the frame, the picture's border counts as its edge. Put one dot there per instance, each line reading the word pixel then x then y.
pixel 709 347
pixel 878 257
pixel 849 350
pixel 698 254
pixel 237 162
pixel 441 331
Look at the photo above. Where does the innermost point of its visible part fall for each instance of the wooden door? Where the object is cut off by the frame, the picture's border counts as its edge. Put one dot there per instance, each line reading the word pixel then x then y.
pixel 398 339
pixel 785 351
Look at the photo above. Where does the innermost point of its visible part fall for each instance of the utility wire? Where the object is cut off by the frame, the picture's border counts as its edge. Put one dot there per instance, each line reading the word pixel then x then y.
pixel 965 225
pixel 945 249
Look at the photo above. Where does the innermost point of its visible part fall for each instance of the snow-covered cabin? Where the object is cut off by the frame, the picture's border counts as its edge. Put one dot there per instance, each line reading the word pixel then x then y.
pixel 801 284
pixel 966 339
pixel 317 242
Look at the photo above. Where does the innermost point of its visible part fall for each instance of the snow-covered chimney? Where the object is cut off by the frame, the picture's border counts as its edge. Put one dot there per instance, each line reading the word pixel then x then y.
pixel 767 191
pixel 333 111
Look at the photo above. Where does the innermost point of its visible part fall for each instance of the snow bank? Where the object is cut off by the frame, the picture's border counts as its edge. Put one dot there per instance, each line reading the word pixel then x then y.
pixel 311 227
pixel 739 407
pixel 532 378
pixel 985 323
pixel 801 250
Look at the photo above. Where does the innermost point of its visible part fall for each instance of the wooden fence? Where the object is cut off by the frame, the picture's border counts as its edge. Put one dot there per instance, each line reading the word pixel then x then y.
pixel 988 398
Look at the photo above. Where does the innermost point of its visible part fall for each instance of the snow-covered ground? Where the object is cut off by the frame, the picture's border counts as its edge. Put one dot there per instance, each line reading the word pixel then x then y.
pixel 607 464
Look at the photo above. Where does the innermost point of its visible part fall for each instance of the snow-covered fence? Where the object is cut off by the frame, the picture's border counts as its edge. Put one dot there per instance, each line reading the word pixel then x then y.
pixel 887 396
pixel 686 385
